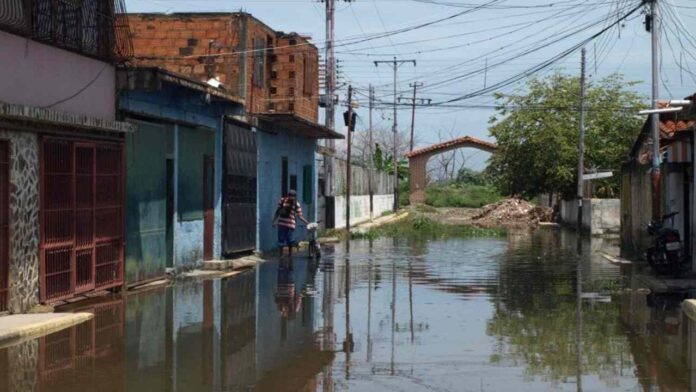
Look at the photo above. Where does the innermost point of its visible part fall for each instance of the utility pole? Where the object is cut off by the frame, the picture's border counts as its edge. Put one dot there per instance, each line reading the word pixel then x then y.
pixel 350 123
pixel 414 101
pixel 654 26
pixel 581 142
pixel 395 64
pixel 371 163
pixel 330 90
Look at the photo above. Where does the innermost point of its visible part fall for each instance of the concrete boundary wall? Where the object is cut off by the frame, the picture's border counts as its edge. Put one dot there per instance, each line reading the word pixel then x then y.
pixel 599 216
pixel 360 208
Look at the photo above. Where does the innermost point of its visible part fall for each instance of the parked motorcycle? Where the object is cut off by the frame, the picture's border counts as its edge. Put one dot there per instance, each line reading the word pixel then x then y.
pixel 666 256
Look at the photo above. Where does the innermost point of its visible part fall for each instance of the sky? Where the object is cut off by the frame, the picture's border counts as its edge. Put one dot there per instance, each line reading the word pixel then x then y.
pixel 462 47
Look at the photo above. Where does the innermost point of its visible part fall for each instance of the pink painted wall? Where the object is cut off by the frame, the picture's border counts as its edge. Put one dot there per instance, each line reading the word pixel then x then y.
pixel 38 75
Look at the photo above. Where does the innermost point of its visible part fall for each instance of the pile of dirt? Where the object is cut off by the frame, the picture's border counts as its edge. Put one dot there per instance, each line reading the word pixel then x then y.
pixel 512 213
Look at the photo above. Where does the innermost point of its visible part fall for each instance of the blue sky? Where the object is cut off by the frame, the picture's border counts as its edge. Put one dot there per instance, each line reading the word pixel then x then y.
pixel 486 45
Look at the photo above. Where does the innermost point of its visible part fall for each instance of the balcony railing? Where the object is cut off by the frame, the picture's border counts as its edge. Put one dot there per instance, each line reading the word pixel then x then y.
pixel 96 28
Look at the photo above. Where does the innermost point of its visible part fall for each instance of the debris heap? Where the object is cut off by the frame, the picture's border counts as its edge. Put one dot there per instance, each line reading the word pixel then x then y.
pixel 512 213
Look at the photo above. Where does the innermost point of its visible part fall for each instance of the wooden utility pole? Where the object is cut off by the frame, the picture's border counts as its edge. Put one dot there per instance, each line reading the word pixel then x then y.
pixel 395 64
pixel 414 101
pixel 581 141
pixel 348 167
pixel 371 161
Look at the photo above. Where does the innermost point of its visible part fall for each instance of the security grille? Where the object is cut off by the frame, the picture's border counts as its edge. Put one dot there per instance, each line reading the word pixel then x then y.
pixel 81 217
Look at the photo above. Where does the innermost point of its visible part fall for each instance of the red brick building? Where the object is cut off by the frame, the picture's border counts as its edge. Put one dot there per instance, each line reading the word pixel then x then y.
pixel 272 71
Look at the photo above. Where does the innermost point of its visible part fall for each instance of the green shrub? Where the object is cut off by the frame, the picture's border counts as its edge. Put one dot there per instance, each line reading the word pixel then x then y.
pixel 421 226
pixel 471 196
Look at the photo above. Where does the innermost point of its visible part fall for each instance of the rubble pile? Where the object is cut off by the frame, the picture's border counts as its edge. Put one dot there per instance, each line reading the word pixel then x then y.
pixel 512 213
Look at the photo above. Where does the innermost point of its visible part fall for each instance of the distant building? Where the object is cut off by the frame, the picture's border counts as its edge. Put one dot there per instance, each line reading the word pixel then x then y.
pixel 271 148
pixel 61 150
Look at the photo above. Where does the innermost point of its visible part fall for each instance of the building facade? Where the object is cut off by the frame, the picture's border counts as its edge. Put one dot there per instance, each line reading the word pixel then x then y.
pixel 676 184
pixel 61 151
pixel 174 170
pixel 270 148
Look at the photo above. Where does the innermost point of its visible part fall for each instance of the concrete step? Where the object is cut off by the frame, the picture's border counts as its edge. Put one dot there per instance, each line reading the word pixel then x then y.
pixel 20 327
pixel 231 264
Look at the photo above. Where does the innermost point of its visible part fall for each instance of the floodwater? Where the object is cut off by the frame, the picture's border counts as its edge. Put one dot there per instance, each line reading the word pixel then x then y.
pixel 384 315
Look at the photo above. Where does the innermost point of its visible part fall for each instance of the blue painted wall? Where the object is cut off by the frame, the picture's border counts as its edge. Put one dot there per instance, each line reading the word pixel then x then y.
pixel 174 104
pixel 271 149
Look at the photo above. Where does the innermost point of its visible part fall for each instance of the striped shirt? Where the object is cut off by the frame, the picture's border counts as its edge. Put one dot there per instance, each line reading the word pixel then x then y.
pixel 290 220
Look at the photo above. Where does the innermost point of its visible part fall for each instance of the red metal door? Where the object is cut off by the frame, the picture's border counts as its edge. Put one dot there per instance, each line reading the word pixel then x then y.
pixel 208 206
pixel 81 217
pixel 4 223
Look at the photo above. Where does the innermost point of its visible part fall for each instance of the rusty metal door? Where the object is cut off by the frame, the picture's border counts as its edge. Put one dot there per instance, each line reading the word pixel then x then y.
pixel 208 206
pixel 4 223
pixel 81 216
pixel 239 190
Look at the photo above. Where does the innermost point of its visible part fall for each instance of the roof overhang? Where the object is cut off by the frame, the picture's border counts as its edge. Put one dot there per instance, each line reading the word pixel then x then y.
pixel 30 114
pixel 130 78
pixel 296 125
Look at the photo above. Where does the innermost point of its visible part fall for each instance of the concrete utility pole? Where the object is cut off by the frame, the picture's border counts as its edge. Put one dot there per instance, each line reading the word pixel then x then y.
pixel 581 141
pixel 395 64
pixel 654 26
pixel 348 167
pixel 330 90
pixel 414 101
pixel 371 161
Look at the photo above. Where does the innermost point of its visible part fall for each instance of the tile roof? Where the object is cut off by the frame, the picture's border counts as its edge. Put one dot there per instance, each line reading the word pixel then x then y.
pixel 467 141
pixel 669 127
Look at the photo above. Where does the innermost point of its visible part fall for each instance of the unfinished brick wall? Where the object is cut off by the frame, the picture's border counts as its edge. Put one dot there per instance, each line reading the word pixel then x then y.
pixel 237 49
pixel 295 77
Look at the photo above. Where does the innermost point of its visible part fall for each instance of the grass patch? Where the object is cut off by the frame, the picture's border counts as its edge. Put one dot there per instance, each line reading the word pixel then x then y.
pixel 471 196
pixel 423 227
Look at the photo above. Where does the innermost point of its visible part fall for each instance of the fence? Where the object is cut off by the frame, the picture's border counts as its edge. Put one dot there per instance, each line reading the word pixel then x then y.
pixel 382 182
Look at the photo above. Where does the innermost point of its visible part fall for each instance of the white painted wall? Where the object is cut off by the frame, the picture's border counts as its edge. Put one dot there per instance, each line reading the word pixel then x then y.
pixel 39 75
pixel 600 216
pixel 360 208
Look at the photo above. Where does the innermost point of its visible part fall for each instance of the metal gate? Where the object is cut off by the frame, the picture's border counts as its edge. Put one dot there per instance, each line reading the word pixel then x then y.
pixel 239 192
pixel 4 223
pixel 81 217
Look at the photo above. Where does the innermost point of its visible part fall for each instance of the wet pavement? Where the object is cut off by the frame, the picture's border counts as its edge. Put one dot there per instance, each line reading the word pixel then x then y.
pixel 382 315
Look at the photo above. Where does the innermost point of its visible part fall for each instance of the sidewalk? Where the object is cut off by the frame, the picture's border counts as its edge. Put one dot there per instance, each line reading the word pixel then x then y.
pixel 20 327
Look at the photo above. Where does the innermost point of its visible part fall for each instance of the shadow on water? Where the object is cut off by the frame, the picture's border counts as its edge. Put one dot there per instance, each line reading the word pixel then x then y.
pixel 381 314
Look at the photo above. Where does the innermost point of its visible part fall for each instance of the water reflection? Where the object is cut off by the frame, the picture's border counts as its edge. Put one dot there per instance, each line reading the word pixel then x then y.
pixel 523 313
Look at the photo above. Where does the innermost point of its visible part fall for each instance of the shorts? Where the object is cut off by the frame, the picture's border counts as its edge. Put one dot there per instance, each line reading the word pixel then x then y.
pixel 285 236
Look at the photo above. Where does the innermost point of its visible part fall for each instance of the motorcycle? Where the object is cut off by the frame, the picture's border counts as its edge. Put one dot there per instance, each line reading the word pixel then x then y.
pixel 666 256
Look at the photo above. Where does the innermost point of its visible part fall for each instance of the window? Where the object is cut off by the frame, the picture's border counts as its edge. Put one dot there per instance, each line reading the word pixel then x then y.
pixel 293 42
pixel 274 90
pixel 291 91
pixel 271 106
pixel 291 58
pixel 274 75
pixel 291 107
pixel 284 177
pixel 291 74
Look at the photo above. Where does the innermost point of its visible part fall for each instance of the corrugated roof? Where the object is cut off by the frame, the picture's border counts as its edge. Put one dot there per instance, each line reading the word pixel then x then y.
pixel 481 144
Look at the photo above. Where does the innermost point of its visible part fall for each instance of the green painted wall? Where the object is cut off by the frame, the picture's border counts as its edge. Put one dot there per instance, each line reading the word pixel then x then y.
pixel 146 201
pixel 194 144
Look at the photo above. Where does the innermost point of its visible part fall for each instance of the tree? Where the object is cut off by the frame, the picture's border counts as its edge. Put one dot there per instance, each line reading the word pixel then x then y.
pixel 537 134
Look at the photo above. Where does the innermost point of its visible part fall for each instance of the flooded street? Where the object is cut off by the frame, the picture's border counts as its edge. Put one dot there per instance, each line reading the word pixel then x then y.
pixel 381 315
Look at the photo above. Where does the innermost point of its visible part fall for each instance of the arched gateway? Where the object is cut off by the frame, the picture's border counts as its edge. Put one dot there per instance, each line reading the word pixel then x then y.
pixel 418 159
